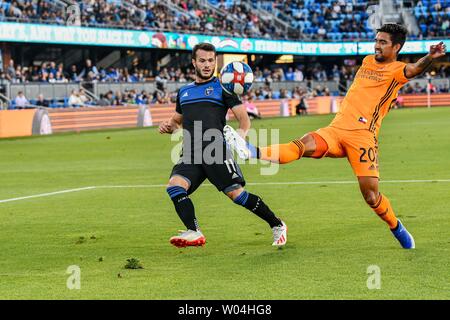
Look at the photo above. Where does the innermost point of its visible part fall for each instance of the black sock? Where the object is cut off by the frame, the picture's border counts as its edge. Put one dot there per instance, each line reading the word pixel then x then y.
pixel 183 206
pixel 257 206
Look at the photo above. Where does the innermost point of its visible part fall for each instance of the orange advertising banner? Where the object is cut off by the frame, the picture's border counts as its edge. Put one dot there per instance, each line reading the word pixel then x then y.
pixel 16 123
pixel 81 119
pixel 19 123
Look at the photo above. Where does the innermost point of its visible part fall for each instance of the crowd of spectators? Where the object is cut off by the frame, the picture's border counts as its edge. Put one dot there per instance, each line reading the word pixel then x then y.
pixel 348 19
pixel 433 17
pixel 27 10
pixel 417 88
pixel 319 19
pixel 237 19
pixel 79 98
pixel 161 95
pixel 267 92
pixel 191 15
pixel 52 72
pixel 323 19
pixel 315 72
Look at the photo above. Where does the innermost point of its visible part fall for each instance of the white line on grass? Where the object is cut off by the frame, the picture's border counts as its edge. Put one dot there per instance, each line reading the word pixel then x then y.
pixel 210 185
pixel 47 194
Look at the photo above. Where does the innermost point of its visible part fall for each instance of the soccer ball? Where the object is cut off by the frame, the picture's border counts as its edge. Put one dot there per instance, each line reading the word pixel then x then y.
pixel 236 77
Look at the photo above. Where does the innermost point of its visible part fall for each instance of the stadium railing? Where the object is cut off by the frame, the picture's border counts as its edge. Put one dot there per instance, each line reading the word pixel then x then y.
pixel 102 88
pixel 57 91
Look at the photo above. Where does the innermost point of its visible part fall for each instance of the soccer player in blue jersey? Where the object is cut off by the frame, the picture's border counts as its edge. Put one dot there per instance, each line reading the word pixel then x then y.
pixel 201 110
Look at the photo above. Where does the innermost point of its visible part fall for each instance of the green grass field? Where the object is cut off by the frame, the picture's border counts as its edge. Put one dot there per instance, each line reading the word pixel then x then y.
pixel 333 236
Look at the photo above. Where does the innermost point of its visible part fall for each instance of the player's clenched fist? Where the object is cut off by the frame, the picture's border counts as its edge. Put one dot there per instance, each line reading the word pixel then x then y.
pixel 438 50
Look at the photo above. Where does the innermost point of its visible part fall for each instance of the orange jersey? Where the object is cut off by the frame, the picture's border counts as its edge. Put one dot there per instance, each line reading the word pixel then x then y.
pixel 371 95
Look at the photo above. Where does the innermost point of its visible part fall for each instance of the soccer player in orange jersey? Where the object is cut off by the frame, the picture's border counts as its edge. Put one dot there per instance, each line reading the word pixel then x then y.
pixel 353 132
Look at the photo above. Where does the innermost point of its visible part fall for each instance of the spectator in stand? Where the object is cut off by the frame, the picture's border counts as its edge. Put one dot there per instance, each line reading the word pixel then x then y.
pixel 284 94
pixel 290 76
pixel 74 75
pixel 34 74
pixel 3 78
pixel 41 101
pixel 21 101
pixel 336 74
pixel 298 75
pixel 59 78
pixel 103 101
pixel 110 98
pixel 160 95
pixel 52 69
pixel 83 97
pixel 418 89
pixel 90 72
pixel 51 78
pixel 408 89
pixel 11 71
pixel 258 75
pixel 120 98
pixel 74 99
pixel 182 78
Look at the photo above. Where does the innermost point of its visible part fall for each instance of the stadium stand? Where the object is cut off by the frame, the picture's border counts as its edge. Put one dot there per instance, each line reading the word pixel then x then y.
pixel 433 17
pixel 125 83
pixel 292 19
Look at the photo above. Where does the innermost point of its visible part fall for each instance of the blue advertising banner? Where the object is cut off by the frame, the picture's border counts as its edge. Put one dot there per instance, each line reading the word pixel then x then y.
pixel 73 35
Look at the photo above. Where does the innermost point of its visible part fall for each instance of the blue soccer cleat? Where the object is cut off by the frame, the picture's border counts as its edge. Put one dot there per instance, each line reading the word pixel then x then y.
pixel 403 236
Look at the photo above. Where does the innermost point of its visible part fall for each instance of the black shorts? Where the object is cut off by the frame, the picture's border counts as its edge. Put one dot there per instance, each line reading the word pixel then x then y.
pixel 225 177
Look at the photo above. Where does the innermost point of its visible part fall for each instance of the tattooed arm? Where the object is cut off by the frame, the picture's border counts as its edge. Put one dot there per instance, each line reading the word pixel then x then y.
pixel 414 69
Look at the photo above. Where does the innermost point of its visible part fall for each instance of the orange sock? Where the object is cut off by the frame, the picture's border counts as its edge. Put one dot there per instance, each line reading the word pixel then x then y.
pixel 384 210
pixel 283 153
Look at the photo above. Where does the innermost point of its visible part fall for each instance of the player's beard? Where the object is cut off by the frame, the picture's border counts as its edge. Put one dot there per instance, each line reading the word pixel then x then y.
pixel 380 58
pixel 199 74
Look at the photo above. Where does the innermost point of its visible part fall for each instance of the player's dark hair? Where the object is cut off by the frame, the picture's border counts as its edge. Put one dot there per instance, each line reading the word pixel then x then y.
pixel 205 47
pixel 397 32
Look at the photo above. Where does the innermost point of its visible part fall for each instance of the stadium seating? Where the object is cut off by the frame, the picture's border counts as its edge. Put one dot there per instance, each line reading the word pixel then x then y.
pixel 342 20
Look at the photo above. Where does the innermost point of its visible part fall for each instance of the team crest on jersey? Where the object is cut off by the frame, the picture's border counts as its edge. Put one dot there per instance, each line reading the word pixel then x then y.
pixel 209 91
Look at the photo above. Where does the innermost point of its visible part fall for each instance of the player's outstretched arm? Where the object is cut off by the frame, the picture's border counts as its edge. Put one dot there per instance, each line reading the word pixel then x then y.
pixel 172 124
pixel 240 112
pixel 414 69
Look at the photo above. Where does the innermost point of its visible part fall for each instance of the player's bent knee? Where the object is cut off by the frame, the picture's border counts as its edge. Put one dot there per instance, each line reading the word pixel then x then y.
pixel 177 181
pixel 316 146
pixel 370 197
pixel 233 194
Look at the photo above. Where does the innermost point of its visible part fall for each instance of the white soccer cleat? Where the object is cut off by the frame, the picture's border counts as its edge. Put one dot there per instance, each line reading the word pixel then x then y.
pixel 236 142
pixel 188 238
pixel 280 235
